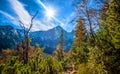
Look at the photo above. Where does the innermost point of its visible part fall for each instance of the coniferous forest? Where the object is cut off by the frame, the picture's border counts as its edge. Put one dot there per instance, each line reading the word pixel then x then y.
pixel 94 50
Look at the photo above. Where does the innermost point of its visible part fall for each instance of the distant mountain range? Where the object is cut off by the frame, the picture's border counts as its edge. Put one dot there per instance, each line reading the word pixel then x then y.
pixel 10 36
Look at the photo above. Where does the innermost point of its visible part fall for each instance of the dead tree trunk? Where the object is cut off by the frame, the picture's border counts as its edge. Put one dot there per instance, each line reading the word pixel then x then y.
pixel 26 32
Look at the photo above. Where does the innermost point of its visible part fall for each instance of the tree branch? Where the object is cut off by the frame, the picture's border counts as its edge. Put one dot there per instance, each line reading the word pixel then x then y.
pixel 31 23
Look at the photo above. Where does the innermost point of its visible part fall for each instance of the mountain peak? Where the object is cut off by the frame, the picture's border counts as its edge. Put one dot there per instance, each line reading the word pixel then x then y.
pixel 58 28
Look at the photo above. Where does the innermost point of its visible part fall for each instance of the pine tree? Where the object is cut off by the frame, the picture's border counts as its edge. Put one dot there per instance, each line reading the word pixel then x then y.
pixel 113 23
pixel 79 51
pixel 80 33
pixel 110 37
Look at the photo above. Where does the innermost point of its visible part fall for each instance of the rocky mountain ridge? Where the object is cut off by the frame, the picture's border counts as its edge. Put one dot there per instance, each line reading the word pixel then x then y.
pixel 10 36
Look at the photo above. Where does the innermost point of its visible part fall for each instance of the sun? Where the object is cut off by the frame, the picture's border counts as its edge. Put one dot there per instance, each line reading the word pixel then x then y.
pixel 50 13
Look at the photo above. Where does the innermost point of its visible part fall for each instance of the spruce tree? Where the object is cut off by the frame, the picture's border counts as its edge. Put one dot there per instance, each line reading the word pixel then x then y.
pixel 80 32
pixel 110 37
pixel 79 51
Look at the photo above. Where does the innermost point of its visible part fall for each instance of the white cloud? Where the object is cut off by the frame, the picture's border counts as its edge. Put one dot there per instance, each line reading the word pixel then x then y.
pixel 38 25
pixel 70 22
pixel 7 15
pixel 21 12
pixel 25 17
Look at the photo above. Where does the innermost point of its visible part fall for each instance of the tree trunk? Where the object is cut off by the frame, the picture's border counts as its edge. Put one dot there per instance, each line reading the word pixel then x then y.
pixel 26 51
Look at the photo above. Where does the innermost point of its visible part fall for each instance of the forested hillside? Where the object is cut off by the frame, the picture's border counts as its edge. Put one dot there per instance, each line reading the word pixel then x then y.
pixel 95 49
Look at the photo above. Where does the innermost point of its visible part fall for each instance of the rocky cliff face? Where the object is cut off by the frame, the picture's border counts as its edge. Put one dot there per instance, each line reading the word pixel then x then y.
pixel 49 39
pixel 9 37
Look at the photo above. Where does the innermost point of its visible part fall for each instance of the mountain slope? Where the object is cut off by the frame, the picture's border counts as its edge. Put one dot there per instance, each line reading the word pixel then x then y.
pixel 49 39
pixel 10 36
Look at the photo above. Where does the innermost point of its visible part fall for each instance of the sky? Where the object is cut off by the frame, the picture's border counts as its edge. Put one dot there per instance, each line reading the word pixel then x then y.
pixel 51 13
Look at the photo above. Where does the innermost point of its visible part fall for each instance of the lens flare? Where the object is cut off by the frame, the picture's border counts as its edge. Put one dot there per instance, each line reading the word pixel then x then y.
pixel 50 13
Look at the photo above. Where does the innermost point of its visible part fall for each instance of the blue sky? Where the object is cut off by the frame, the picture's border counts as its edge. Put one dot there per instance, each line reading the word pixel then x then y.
pixel 11 11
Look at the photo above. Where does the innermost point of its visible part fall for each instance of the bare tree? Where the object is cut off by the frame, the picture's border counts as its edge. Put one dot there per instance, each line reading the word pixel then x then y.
pixel 90 13
pixel 26 32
